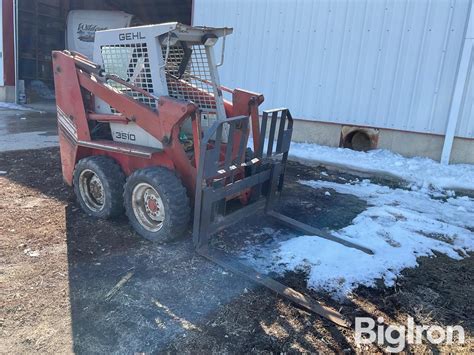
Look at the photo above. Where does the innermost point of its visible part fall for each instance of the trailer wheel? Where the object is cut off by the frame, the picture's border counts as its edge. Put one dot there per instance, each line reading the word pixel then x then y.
pixel 98 184
pixel 156 204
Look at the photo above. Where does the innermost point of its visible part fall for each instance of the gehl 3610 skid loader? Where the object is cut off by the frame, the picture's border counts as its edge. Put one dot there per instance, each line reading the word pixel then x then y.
pixel 144 128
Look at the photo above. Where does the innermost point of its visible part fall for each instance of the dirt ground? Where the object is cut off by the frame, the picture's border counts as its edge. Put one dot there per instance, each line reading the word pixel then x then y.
pixel 60 270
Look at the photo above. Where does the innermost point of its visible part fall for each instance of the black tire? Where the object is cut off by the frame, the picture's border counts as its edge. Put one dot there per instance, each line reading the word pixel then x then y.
pixel 172 196
pixel 112 180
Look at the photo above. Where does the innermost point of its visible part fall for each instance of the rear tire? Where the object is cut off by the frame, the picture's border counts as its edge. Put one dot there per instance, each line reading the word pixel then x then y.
pixel 156 204
pixel 98 183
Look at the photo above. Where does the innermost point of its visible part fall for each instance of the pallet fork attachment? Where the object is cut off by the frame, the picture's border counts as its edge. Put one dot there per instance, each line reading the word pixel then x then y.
pixel 218 180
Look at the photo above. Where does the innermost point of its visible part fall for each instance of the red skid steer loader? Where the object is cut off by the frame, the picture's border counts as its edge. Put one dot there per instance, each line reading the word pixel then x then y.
pixel 144 129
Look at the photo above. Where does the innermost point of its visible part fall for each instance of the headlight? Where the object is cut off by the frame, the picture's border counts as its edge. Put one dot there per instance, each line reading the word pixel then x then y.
pixel 209 39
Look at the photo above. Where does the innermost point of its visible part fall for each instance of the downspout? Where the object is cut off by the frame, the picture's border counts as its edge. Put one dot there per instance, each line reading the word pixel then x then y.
pixel 459 87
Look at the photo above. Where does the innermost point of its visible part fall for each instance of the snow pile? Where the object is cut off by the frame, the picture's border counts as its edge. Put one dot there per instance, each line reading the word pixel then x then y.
pixel 12 106
pixel 420 172
pixel 399 226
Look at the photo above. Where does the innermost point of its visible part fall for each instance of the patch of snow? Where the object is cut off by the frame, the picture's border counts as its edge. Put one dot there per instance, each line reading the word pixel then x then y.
pixel 2 172
pixel 327 193
pixel 32 253
pixel 420 172
pixel 13 106
pixel 399 226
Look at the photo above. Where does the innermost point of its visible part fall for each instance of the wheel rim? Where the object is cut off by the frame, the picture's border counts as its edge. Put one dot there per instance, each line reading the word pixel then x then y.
pixel 92 190
pixel 148 207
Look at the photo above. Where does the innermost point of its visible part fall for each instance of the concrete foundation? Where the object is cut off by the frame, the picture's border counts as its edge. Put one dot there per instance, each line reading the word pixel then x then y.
pixel 7 94
pixel 409 144
pixel 27 129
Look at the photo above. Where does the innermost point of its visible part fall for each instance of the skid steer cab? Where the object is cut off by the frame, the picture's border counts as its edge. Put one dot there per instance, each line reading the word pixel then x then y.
pixel 145 130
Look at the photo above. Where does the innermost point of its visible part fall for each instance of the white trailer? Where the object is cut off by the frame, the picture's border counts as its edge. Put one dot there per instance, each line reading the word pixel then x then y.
pixel 83 24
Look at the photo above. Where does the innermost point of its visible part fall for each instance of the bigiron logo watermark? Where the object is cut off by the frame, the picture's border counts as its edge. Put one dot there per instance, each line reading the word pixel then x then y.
pixel 368 331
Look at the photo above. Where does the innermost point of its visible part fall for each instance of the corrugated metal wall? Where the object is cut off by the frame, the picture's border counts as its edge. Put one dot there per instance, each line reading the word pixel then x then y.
pixel 388 64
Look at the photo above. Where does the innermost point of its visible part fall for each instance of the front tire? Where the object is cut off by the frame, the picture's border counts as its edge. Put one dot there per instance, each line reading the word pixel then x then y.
pixel 98 184
pixel 156 204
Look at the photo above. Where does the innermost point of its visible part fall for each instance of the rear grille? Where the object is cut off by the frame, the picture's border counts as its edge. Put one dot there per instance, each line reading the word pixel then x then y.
pixel 195 84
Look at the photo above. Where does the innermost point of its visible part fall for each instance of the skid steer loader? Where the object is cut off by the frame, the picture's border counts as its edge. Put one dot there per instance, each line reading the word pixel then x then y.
pixel 144 129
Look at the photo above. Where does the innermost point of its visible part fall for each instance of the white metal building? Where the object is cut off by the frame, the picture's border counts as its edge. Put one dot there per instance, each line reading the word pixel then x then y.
pixel 401 66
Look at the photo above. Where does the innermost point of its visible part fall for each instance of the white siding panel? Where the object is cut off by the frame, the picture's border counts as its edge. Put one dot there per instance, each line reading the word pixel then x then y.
pixel 381 63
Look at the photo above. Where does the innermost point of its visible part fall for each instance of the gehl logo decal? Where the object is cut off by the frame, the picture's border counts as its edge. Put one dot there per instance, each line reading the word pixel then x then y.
pixel 130 36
